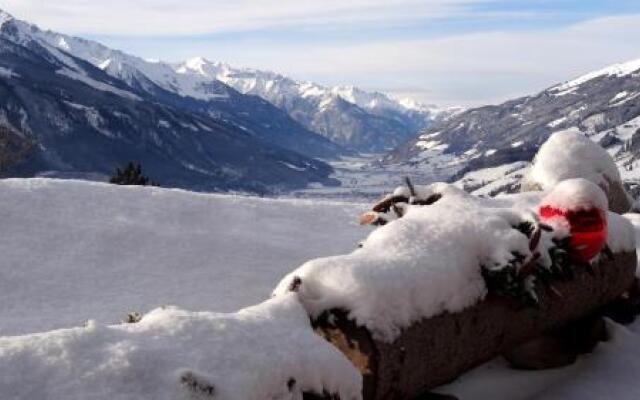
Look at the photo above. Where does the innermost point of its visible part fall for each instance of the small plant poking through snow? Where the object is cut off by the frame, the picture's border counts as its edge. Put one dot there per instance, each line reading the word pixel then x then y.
pixel 197 385
pixel 132 318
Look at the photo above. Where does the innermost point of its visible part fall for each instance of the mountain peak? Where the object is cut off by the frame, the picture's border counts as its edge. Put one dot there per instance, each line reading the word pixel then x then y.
pixel 196 64
pixel 202 66
pixel 197 61
pixel 5 17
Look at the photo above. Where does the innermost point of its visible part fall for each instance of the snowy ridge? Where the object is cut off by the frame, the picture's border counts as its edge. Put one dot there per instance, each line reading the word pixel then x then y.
pixel 617 70
pixel 96 84
pixel 374 121
pixel 56 70
pixel 25 32
pixel 321 108
pixel 603 107
pixel 4 17
pixel 268 84
pixel 124 66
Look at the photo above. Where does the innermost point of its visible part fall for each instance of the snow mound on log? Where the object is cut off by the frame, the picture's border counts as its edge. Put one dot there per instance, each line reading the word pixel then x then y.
pixel 421 265
pixel 268 351
pixel 569 154
pixel 576 194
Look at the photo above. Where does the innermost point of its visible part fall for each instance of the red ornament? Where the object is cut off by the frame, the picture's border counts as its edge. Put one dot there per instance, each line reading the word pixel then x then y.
pixel 588 229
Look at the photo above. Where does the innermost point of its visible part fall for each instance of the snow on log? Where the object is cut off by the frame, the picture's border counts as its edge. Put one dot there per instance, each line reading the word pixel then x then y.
pixel 436 350
pixel 435 258
pixel 569 154
pixel 268 351
pixel 450 285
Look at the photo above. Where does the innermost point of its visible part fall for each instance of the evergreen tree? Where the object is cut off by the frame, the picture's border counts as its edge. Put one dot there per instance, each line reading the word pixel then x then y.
pixel 14 148
pixel 131 175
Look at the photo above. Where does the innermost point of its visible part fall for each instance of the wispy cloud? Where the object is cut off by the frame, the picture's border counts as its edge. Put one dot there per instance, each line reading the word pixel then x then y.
pixel 440 51
pixel 195 17
pixel 481 67
pixel 473 68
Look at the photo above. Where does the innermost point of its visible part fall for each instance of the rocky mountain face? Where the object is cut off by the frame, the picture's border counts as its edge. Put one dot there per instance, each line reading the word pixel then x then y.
pixel 348 117
pixel 488 148
pixel 187 90
pixel 85 120
pixel 351 117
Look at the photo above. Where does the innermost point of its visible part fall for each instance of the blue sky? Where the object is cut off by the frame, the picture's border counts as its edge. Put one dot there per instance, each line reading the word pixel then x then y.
pixel 436 51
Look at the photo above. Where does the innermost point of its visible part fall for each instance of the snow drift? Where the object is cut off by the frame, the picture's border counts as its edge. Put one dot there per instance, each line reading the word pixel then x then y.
pixel 268 351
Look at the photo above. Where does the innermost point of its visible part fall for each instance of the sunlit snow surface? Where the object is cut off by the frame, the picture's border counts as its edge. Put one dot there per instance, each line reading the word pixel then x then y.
pixel 73 251
pixel 267 351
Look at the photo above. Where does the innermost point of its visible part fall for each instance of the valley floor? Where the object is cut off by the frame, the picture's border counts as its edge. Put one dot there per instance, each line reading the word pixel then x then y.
pixel 362 181
pixel 73 251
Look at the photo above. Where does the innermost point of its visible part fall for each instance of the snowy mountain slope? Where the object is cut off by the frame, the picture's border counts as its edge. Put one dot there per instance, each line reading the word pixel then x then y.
pixel 367 122
pixel 345 114
pixel 604 105
pixel 187 91
pixel 86 121
pixel 74 250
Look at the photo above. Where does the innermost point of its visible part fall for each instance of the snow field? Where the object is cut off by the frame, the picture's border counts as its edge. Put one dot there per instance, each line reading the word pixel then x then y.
pixel 79 250
pixel 74 250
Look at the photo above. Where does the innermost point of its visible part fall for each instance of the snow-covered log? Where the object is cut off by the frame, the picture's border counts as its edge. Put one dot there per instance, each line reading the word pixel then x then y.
pixel 436 350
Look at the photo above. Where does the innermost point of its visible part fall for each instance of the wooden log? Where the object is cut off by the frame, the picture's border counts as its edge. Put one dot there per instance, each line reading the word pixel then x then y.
pixel 436 350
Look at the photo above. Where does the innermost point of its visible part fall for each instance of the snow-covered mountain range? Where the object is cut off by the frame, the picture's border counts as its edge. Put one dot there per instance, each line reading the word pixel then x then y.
pixel 89 118
pixel 348 116
pixel 84 89
pixel 345 114
pixel 489 148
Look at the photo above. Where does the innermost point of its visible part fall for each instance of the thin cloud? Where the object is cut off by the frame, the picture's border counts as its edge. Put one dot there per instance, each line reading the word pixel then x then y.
pixel 470 69
pixel 476 68
pixel 197 17
pixel 485 66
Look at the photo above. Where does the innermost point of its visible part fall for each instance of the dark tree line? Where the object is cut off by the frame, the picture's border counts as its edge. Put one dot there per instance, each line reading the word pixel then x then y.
pixel 131 175
pixel 14 148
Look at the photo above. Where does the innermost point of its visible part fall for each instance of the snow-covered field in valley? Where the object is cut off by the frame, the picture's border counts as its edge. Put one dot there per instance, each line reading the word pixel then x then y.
pixel 362 180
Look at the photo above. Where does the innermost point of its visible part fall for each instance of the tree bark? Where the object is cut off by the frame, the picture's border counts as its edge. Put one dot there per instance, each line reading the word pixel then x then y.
pixel 436 350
